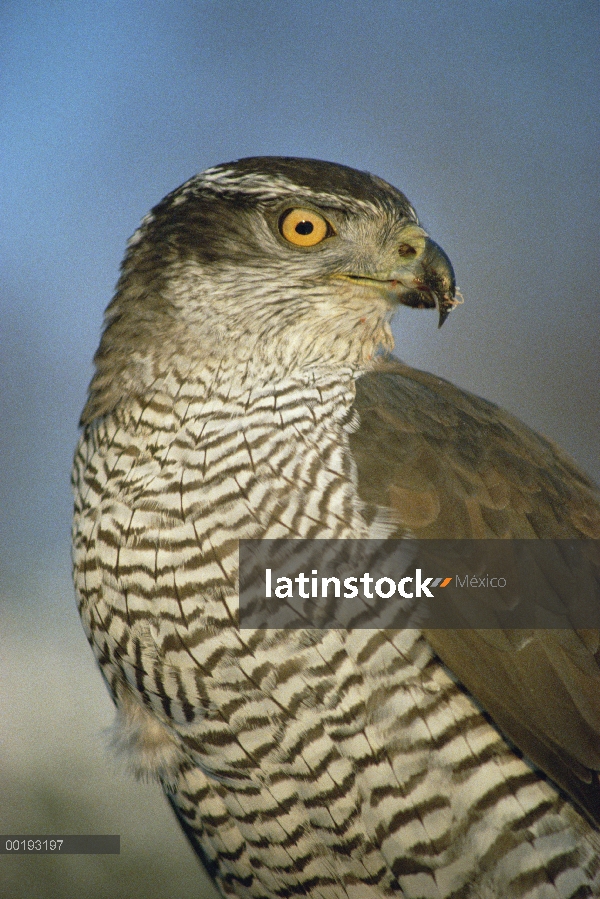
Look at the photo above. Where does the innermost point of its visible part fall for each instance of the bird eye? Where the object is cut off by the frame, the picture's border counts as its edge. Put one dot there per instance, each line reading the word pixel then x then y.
pixel 303 227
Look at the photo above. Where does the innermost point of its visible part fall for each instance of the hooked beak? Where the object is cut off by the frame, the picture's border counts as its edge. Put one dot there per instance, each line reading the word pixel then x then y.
pixel 429 283
pixel 424 280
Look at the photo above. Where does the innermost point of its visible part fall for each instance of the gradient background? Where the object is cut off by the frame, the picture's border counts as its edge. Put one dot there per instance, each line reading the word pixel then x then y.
pixel 485 114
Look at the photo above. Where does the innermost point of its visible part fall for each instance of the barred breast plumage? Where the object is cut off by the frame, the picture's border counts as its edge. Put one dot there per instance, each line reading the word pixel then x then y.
pixel 237 394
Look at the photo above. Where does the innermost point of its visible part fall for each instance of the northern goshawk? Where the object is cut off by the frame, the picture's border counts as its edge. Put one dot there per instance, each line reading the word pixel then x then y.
pixel 244 388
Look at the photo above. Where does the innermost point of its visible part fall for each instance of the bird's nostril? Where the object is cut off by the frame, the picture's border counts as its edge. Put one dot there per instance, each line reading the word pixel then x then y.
pixel 405 249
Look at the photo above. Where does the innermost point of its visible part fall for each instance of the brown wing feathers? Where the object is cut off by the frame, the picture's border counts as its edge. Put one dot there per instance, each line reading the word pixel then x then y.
pixel 451 465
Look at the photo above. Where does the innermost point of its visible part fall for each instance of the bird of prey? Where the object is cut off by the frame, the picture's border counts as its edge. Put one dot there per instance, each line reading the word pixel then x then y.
pixel 244 388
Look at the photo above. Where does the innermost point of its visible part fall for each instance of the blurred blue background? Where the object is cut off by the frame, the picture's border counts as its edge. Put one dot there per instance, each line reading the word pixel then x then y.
pixel 485 114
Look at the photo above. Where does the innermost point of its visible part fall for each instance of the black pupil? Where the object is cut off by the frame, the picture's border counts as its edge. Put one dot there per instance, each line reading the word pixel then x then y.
pixel 305 227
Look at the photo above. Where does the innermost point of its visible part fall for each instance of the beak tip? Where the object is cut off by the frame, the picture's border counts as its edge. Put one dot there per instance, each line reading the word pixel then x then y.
pixel 446 303
pixel 443 314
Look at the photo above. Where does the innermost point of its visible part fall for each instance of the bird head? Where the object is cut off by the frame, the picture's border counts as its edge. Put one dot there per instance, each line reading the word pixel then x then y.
pixel 267 260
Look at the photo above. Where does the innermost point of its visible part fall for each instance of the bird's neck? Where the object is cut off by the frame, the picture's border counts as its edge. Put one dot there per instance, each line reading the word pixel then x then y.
pixel 238 394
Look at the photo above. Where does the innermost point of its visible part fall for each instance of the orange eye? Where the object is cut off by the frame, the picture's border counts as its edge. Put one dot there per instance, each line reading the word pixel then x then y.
pixel 303 227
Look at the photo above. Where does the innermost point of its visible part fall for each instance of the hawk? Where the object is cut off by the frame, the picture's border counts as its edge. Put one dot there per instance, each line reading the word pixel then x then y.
pixel 244 388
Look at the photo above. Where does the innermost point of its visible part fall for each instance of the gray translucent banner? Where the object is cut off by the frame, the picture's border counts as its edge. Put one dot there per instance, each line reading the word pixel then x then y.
pixel 420 584
pixel 61 844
